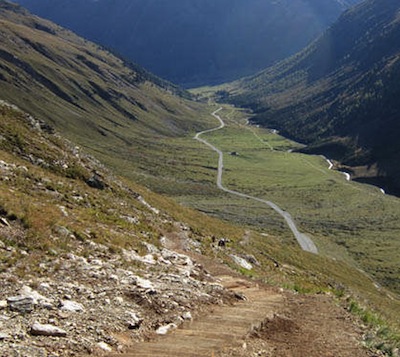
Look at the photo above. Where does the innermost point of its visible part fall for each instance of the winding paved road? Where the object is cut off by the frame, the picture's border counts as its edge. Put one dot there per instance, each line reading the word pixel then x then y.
pixel 304 241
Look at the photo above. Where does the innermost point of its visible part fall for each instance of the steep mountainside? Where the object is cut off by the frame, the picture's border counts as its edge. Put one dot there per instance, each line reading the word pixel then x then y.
pixel 340 94
pixel 93 97
pixel 199 41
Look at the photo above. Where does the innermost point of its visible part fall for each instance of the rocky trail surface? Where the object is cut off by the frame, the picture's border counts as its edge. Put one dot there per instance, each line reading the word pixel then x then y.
pixel 260 320
pixel 223 326
pixel 265 322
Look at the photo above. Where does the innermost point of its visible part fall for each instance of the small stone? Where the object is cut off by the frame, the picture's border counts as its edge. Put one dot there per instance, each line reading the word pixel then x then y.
pixel 62 231
pixel 38 329
pixel 4 222
pixel 3 336
pixel 96 182
pixel 3 304
pixel 119 300
pixel 144 283
pixel 242 262
pixel 23 304
pixel 63 315
pixel 71 306
pixel 133 321
pixel 163 330
pixel 44 286
pixel 187 315
pixel 104 346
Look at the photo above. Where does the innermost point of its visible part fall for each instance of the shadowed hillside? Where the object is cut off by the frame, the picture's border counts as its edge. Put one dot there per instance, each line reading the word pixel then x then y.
pixel 100 101
pixel 198 41
pixel 339 95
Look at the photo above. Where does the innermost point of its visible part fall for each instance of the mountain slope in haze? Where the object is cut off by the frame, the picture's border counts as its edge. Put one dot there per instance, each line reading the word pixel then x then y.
pixel 199 41
pixel 340 94
pixel 96 99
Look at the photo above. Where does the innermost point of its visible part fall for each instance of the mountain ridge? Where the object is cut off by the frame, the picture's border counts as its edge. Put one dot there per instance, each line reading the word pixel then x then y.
pixel 197 42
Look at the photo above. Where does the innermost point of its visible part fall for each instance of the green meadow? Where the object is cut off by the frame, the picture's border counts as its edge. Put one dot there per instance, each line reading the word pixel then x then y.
pixel 348 221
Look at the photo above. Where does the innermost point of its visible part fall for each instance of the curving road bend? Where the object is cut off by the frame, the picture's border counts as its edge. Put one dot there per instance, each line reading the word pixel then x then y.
pixel 304 241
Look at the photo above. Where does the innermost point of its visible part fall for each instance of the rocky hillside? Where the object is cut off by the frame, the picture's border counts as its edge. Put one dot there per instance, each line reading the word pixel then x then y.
pixel 339 94
pixel 84 255
pixel 200 41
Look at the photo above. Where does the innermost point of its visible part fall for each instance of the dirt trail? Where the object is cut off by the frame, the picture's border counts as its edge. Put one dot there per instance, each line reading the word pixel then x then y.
pixel 224 326
pixel 268 323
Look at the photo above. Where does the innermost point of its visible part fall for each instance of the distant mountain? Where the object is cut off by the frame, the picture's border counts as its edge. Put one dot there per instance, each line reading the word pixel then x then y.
pixel 341 94
pixel 198 41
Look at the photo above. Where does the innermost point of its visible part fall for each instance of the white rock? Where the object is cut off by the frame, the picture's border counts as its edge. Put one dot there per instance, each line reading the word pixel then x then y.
pixel 3 336
pixel 114 277
pixel 187 315
pixel 163 330
pixel 3 304
pixel 44 286
pixel 241 262
pixel 119 300
pixel 71 306
pixel 133 320
pixel 148 259
pixel 38 329
pixel 4 222
pixel 63 210
pixel 104 346
pixel 144 283
pixel 37 298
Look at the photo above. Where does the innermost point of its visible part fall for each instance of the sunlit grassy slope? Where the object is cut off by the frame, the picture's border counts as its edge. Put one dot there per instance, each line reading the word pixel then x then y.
pixel 38 188
pixel 348 221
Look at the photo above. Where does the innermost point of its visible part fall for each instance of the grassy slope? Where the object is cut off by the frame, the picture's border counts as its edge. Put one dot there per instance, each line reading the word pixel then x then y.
pixel 32 195
pixel 86 92
pixel 345 218
pixel 156 148
pixel 338 94
pixel 351 223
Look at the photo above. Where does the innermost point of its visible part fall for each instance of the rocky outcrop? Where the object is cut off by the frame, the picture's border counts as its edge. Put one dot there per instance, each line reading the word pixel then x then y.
pixel 81 304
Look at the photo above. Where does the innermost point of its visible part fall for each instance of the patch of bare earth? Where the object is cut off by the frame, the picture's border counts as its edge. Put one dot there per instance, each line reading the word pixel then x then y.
pixel 265 323
pixel 306 325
